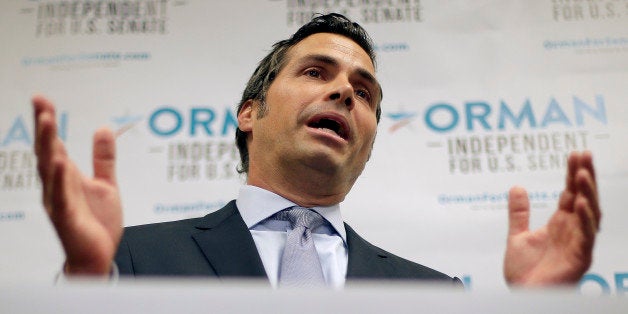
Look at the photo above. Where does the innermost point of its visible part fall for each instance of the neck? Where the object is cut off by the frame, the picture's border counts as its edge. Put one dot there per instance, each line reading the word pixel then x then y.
pixel 304 188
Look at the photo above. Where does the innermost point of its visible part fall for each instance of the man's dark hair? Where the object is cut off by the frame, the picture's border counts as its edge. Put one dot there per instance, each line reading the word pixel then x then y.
pixel 273 63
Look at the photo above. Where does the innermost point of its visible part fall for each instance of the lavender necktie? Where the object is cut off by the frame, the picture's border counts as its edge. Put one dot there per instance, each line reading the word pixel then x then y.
pixel 300 266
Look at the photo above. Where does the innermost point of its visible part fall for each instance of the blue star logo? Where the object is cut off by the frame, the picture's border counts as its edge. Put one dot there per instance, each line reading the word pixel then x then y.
pixel 125 122
pixel 401 119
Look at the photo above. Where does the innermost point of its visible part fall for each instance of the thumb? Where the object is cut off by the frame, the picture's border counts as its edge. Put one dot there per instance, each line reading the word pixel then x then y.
pixel 104 155
pixel 518 210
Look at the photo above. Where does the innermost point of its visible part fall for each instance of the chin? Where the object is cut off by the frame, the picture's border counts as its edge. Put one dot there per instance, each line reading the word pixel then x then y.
pixel 325 164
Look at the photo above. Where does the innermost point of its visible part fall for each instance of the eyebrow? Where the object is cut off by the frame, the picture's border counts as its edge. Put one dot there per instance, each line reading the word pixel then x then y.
pixel 333 62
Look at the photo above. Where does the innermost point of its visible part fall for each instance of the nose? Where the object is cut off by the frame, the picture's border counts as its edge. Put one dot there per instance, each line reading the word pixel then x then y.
pixel 342 91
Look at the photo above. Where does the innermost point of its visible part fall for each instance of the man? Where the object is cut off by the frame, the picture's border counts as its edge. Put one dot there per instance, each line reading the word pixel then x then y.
pixel 306 126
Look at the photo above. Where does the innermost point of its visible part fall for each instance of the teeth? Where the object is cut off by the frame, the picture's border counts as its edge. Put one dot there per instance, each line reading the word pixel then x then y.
pixel 330 126
pixel 329 131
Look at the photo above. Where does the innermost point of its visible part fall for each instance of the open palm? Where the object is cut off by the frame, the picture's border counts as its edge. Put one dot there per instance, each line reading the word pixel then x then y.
pixel 86 212
pixel 561 251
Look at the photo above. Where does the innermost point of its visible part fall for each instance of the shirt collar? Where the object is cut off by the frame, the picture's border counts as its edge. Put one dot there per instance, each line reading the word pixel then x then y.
pixel 256 204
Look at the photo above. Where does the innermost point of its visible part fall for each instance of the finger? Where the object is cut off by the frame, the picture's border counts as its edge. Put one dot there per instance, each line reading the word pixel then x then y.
pixel 46 148
pixel 66 194
pixel 41 106
pixel 58 156
pixel 573 163
pixel 518 210
pixel 44 140
pixel 588 190
pixel 55 189
pixel 61 212
pixel 586 224
pixel 587 162
pixel 104 155
pixel 567 197
pixel 45 133
pixel 566 201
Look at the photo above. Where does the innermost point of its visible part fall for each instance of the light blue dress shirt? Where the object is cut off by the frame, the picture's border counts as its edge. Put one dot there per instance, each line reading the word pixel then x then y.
pixel 256 205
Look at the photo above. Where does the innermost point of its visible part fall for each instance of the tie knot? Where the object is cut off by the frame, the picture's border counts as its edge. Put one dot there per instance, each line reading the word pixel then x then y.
pixel 303 217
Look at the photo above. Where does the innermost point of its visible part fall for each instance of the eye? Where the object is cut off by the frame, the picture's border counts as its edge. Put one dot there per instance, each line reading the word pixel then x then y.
pixel 364 94
pixel 313 72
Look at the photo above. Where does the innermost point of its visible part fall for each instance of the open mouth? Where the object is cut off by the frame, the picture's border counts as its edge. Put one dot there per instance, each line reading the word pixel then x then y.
pixel 330 124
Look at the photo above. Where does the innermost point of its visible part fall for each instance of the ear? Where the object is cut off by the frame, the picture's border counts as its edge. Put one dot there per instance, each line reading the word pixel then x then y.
pixel 247 115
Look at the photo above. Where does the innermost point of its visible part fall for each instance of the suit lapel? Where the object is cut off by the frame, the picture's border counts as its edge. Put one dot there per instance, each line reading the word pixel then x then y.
pixel 365 260
pixel 228 245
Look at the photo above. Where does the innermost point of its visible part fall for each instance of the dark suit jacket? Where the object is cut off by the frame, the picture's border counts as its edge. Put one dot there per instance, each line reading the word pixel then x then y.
pixel 220 245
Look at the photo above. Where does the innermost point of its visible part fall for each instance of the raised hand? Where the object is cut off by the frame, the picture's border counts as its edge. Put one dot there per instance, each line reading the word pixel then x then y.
pixel 560 252
pixel 86 212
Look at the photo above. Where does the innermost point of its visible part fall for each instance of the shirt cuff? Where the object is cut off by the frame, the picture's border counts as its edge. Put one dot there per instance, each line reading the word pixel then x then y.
pixel 62 278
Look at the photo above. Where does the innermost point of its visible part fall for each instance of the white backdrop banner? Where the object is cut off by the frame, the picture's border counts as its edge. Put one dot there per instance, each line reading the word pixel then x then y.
pixel 478 96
